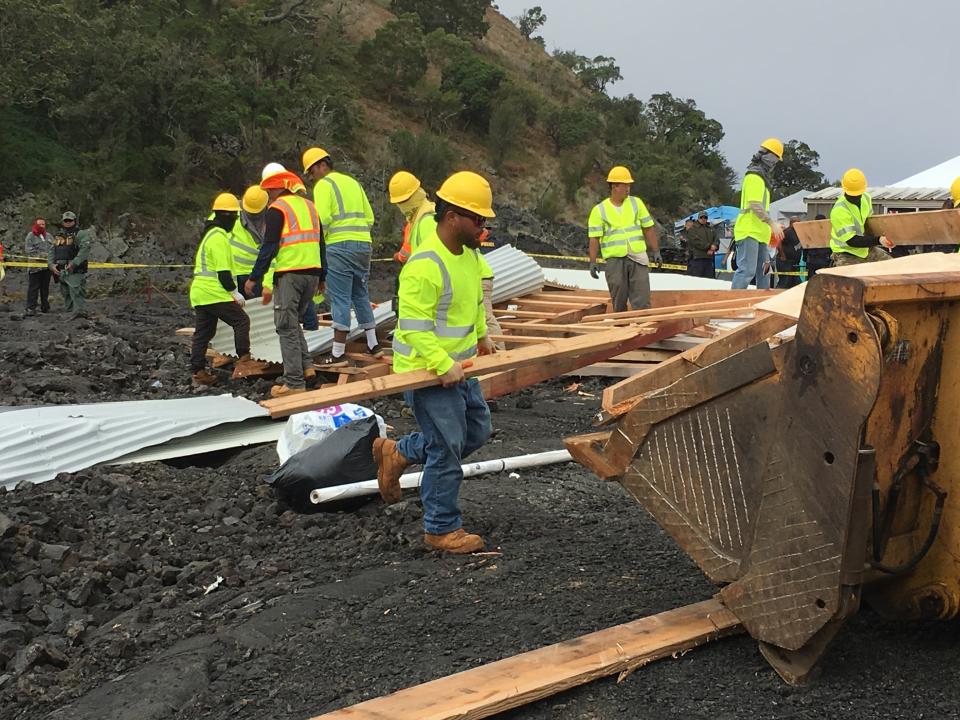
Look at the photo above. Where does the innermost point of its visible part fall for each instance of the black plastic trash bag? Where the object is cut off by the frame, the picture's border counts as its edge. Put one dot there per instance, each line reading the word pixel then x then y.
pixel 343 457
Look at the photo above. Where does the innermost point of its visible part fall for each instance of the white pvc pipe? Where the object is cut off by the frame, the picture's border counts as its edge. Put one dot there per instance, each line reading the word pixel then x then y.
pixel 412 480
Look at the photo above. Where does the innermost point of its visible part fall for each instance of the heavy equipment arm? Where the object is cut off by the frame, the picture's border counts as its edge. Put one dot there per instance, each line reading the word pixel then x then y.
pixel 805 477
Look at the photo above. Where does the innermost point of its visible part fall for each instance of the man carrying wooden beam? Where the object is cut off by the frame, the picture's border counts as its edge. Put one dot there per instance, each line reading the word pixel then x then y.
pixel 441 326
pixel 848 220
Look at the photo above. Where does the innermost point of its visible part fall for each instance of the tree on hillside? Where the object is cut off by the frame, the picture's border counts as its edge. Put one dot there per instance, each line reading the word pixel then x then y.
pixel 797 171
pixel 681 124
pixel 530 21
pixel 476 82
pixel 460 17
pixel 396 57
pixel 596 74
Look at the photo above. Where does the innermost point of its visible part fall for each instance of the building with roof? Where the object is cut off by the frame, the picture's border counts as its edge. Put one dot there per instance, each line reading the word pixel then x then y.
pixel 885 199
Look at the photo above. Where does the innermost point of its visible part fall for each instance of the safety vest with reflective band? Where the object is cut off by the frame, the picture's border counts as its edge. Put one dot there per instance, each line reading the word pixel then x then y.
pixel 344 209
pixel 300 237
pixel 213 256
pixel 620 229
pixel 847 221
pixel 244 249
pixel 441 311
pixel 423 225
pixel 748 225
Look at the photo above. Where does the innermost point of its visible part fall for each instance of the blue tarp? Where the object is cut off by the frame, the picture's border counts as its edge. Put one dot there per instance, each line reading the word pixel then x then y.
pixel 722 213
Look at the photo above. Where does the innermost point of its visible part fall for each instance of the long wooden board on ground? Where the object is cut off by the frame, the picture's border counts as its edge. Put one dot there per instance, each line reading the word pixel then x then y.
pixel 936 227
pixel 591 344
pixel 521 679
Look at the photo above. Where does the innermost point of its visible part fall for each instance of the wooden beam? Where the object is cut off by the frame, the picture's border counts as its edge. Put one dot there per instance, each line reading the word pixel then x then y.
pixel 510 381
pixel 612 369
pixel 935 227
pixel 494 688
pixel 708 313
pixel 620 398
pixel 673 298
pixel 692 307
pixel 399 382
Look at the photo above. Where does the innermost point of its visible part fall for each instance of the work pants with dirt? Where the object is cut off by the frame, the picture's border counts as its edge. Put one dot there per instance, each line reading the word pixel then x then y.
pixel 38 287
pixel 454 422
pixel 874 254
pixel 752 257
pixel 292 295
pixel 205 327
pixel 701 267
pixel 493 326
pixel 627 280
pixel 348 269
pixel 73 288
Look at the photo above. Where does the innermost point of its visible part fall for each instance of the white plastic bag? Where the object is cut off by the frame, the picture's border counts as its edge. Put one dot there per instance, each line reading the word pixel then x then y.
pixel 308 428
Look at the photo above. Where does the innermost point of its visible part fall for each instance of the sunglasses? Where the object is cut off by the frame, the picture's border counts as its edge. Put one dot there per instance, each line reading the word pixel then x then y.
pixel 477 220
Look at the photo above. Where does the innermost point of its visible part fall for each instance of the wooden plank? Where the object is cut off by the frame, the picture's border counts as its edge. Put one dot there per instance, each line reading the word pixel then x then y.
pixel 695 307
pixel 708 313
pixel 612 370
pixel 673 298
pixel 935 227
pixel 499 686
pixel 399 382
pixel 550 367
pixel 620 398
pixel 648 355
pixel 524 314
pixel 557 327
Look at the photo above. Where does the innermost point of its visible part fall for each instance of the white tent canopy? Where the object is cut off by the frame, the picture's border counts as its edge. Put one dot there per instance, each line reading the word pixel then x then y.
pixel 939 176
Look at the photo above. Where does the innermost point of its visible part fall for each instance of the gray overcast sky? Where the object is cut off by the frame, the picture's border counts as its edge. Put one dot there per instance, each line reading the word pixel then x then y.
pixel 866 84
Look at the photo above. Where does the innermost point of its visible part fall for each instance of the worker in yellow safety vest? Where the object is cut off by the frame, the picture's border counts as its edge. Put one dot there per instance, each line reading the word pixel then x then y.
pixel 213 294
pixel 621 229
pixel 294 243
pixel 247 235
pixel 754 226
pixel 441 328
pixel 849 240
pixel 346 217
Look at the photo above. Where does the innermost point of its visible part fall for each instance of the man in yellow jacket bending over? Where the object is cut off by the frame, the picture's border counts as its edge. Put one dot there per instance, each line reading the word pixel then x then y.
pixel 440 327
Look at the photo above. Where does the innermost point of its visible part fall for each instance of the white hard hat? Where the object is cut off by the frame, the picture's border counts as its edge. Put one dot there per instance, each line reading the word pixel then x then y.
pixel 271 169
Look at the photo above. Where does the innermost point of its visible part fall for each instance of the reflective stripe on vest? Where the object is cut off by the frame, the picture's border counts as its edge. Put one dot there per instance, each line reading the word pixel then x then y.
pixel 441 328
pixel 333 229
pixel 858 215
pixel 202 254
pixel 300 236
pixel 612 237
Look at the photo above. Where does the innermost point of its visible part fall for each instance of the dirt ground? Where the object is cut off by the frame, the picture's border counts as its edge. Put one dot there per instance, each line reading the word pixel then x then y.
pixel 104 574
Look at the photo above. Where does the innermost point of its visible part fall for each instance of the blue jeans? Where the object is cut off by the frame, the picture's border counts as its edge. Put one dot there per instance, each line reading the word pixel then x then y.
pixel 751 255
pixel 310 319
pixel 453 422
pixel 348 268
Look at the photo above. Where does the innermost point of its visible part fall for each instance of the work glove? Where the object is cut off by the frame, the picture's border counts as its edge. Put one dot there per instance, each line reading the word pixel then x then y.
pixel 655 257
pixel 238 298
pixel 594 271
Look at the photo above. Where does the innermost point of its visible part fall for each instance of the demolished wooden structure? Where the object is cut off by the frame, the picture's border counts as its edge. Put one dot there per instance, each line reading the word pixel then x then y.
pixel 499 686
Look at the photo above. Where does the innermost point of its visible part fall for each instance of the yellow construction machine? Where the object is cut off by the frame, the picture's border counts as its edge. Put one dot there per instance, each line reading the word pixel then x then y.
pixel 807 470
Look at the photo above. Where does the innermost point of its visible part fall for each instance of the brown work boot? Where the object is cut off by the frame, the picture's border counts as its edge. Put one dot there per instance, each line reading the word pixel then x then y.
pixel 284 390
pixel 390 466
pixel 458 542
pixel 203 377
pixel 309 373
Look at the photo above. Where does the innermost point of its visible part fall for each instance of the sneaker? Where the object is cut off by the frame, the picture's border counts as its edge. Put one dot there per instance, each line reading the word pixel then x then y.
pixel 281 390
pixel 390 466
pixel 458 542
pixel 331 362
pixel 376 351
pixel 203 377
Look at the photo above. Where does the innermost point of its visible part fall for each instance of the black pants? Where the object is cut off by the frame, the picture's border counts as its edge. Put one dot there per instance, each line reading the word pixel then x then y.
pixel 205 328
pixel 38 284
pixel 701 267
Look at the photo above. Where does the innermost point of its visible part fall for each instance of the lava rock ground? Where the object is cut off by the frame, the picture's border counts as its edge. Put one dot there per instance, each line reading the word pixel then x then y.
pixel 148 591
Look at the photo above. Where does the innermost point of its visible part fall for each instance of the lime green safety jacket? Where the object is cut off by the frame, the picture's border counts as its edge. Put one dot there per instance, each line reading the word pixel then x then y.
pixel 846 222
pixel 620 229
pixel 748 225
pixel 213 256
pixel 343 208
pixel 441 312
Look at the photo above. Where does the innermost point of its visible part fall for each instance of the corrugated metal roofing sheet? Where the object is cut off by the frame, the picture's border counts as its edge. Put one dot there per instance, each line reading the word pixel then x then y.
pixel 255 431
pixel 887 193
pixel 516 273
pixel 37 443
pixel 581 279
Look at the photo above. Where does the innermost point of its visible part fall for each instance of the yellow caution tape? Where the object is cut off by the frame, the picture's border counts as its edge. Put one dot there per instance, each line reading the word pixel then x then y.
pixel 98 265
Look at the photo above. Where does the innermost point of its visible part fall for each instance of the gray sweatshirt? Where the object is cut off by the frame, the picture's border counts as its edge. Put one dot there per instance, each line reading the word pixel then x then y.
pixel 38 246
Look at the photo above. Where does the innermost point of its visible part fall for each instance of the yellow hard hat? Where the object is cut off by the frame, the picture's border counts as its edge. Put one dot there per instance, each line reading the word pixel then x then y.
pixel 774 146
pixel 619 174
pixel 312 156
pixel 955 192
pixel 402 185
pixel 226 202
pixel 854 182
pixel 468 191
pixel 255 199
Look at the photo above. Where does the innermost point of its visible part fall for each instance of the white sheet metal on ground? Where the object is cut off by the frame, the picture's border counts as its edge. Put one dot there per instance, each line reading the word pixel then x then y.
pixel 37 443
pixel 255 431
pixel 581 280
pixel 515 274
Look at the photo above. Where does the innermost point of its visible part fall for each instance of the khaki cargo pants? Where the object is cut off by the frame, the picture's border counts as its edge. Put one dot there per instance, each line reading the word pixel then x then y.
pixel 875 254
pixel 627 280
